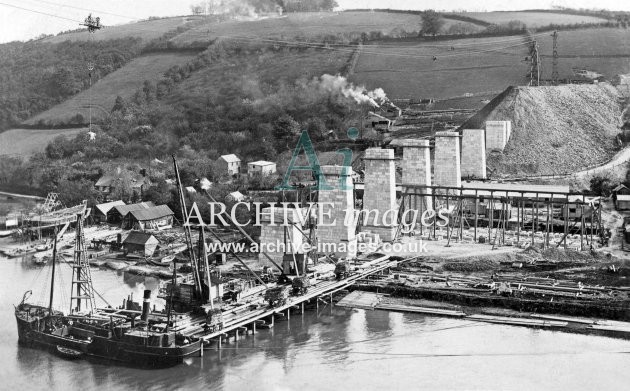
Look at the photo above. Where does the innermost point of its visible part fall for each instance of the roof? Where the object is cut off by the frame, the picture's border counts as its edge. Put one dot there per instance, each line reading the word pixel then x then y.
pixel 156 212
pixel 236 195
pixel 261 163
pixel 137 237
pixel 621 186
pixel 104 208
pixel 205 184
pixel 231 158
pixel 124 209
pixel 105 180
pixel 373 114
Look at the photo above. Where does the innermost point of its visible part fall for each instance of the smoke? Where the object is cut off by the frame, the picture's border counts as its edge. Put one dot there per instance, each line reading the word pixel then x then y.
pixel 340 85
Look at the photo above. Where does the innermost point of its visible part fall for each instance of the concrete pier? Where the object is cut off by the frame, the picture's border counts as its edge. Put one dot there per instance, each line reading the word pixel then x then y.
pixel 380 192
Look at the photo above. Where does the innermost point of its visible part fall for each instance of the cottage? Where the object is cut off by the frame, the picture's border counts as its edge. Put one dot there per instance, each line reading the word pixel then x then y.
pixel 623 202
pixel 261 167
pixel 156 217
pixel 135 187
pixel 230 164
pixel 101 210
pixel 105 185
pixel 390 110
pixel 115 215
pixel 376 122
pixel 140 243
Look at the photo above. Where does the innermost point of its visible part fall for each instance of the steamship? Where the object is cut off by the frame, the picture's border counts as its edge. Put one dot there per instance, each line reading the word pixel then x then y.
pixel 131 334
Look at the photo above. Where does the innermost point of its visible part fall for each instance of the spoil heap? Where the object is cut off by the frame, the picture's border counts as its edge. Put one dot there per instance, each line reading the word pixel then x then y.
pixel 555 130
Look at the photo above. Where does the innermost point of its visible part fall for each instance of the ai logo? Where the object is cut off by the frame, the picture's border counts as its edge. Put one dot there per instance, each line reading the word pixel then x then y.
pixel 306 144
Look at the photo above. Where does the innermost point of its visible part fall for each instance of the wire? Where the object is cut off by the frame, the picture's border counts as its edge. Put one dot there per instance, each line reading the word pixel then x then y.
pixel 40 12
pixel 86 9
pixel 349 49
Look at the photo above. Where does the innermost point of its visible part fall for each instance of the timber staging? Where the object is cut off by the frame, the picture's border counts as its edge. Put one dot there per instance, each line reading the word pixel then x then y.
pixel 253 310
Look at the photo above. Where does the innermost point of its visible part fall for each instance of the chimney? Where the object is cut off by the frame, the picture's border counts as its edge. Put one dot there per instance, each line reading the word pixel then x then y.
pixel 146 305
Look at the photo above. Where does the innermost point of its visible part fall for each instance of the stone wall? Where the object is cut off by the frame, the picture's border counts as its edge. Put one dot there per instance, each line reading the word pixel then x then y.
pixel 278 233
pixel 474 154
pixel 380 192
pixel 447 167
pixel 497 134
pixel 341 196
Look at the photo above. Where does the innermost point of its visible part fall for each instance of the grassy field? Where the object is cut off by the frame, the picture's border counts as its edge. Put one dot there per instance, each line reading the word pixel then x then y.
pixel 25 142
pixel 532 19
pixel 308 25
pixel 408 70
pixel 146 30
pixel 605 51
pixel 123 82
pixel 257 70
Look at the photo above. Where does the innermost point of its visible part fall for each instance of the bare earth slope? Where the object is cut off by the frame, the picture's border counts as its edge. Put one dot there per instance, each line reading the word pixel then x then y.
pixel 557 129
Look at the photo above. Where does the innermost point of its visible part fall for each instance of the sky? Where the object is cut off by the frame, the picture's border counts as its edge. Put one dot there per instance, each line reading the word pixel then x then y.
pixel 60 15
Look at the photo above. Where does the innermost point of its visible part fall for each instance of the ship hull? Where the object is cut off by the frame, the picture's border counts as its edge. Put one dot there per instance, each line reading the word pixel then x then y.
pixel 32 333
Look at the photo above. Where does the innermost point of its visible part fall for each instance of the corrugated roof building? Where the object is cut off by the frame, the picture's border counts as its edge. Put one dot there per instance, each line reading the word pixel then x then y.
pixel 117 213
pixel 157 217
pixel 140 243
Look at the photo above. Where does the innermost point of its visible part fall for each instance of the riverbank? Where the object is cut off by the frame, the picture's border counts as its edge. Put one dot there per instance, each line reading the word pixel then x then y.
pixel 365 297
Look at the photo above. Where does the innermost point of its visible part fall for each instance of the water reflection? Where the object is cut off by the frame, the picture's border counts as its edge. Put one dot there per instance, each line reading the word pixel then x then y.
pixel 332 348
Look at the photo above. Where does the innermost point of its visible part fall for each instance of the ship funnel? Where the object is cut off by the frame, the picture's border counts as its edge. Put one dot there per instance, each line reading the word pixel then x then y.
pixel 146 305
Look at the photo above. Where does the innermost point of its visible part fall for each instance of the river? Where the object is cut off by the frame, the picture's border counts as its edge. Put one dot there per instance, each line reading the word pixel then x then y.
pixel 333 349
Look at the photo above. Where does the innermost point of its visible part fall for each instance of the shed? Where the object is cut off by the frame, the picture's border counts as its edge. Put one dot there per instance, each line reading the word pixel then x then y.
pixel 230 163
pixel 235 196
pixel 157 217
pixel 623 202
pixel 140 243
pixel 377 122
pixel 101 210
pixel 115 215
pixel 261 167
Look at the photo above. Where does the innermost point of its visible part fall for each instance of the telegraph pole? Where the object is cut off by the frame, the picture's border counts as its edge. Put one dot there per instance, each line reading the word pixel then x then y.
pixel 534 72
pixel 554 74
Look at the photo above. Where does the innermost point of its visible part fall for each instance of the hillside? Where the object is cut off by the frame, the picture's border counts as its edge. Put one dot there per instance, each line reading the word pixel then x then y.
pixel 311 25
pixel 532 18
pixel 604 51
pixel 468 66
pixel 555 129
pixel 146 29
pixel 25 142
pixel 123 82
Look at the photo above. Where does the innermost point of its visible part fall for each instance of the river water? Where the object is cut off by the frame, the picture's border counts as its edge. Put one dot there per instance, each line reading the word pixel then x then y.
pixel 332 349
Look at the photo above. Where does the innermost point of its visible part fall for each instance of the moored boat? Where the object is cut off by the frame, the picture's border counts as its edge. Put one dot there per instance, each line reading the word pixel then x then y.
pixel 111 334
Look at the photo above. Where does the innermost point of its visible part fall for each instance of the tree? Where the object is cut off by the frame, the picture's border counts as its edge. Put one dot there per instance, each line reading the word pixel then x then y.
pixel 432 23
pixel 601 186
pixel 120 105
pixel 285 128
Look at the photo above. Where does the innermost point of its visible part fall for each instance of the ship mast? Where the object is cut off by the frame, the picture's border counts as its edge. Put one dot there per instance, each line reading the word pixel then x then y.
pixel 193 258
pixel 52 280
pixel 81 274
